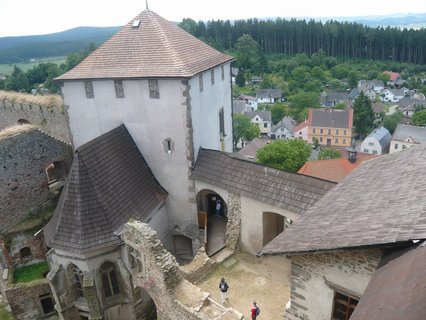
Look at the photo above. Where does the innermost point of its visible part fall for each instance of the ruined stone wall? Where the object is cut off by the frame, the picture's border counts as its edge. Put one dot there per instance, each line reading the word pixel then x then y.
pixel 24 299
pixel 24 157
pixel 50 119
pixel 315 278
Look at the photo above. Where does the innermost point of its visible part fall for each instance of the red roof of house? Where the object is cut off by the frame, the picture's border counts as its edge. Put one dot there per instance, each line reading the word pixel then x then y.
pixel 334 169
pixel 393 75
pixel 300 126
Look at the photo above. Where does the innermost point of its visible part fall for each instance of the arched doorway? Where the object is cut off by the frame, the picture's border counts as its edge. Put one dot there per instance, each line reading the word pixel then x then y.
pixel 273 225
pixel 212 220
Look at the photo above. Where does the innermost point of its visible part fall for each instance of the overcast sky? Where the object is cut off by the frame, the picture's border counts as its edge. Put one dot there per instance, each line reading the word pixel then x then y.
pixel 28 17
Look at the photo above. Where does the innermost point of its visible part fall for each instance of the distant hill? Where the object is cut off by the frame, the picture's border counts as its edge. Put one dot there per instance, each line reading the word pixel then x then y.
pixel 24 48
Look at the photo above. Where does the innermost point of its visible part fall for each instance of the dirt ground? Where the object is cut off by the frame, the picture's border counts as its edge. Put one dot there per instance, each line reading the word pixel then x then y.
pixel 265 279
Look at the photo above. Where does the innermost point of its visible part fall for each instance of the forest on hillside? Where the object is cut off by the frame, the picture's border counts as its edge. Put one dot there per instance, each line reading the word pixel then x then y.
pixel 343 40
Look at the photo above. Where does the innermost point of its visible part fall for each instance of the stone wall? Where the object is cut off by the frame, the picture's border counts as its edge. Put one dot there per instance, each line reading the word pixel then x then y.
pixel 50 119
pixel 24 299
pixel 316 277
pixel 25 154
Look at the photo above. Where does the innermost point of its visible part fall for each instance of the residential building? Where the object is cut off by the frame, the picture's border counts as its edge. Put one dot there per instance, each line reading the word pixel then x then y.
pixel 393 77
pixel 375 85
pixel 268 95
pixel 301 131
pixel 352 262
pixel 409 105
pixel 249 150
pixel 263 119
pixel 284 129
pixel 377 142
pixel 392 95
pixel 406 136
pixel 334 170
pixel 330 126
pixel 251 102
pixel 332 98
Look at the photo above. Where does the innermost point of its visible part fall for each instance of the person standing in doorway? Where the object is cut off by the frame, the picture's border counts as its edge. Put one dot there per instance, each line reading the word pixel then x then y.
pixel 218 206
pixel 223 286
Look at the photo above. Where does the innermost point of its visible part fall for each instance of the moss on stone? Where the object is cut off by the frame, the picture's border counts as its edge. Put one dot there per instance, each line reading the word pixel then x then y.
pixel 31 272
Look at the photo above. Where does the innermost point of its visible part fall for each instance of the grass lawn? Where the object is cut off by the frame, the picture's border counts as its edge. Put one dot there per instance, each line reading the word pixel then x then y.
pixel 30 273
pixel 8 68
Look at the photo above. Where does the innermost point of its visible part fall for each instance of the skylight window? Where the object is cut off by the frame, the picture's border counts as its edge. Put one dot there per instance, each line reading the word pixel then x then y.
pixel 136 23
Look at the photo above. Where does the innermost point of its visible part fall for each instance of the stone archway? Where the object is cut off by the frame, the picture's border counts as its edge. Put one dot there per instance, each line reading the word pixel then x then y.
pixel 212 220
pixel 273 224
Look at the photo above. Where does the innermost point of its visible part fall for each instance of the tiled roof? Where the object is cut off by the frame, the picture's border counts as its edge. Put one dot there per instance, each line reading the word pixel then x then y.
pixel 251 148
pixel 382 135
pixel 382 202
pixel 265 115
pixel 330 118
pixel 279 188
pixel 268 93
pixel 397 289
pixel 393 76
pixel 109 183
pixel 287 122
pixel 334 169
pixel 405 131
pixel 238 106
pixel 156 48
pixel 300 126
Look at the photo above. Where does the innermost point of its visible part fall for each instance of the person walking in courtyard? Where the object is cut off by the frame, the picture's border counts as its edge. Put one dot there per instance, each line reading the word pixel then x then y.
pixel 223 286
pixel 254 311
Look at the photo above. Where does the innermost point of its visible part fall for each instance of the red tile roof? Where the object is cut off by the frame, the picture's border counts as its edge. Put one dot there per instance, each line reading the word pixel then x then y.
pixel 156 48
pixel 334 169
pixel 393 75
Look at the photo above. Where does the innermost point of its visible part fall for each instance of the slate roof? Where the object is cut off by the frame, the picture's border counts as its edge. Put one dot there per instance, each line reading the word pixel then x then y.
pixel 109 183
pixel 333 169
pixel 382 135
pixel 250 149
pixel 404 131
pixel 279 188
pixel 268 93
pixel 330 118
pixel 382 202
pixel 156 48
pixel 287 122
pixel 238 106
pixel 265 115
pixel 396 291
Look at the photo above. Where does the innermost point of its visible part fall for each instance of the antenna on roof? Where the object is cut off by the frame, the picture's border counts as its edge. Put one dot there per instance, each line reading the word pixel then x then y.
pixel 146 4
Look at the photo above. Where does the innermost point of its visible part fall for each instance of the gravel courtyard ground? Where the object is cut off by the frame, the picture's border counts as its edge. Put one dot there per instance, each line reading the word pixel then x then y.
pixel 265 279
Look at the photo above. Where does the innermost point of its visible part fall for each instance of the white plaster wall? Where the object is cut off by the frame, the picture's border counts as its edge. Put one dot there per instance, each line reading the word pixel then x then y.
pixel 251 233
pixel 365 145
pixel 205 107
pixel 400 145
pixel 149 121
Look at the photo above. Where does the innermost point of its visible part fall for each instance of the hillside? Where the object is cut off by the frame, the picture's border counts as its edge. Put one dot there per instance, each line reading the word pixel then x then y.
pixel 24 48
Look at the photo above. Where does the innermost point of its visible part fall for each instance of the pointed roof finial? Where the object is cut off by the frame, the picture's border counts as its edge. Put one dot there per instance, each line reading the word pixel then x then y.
pixel 146 4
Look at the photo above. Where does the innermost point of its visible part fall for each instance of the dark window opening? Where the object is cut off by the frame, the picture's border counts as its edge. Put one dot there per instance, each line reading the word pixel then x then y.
pixel 212 76
pixel 200 79
pixel 221 123
pixel 78 279
pixel 119 91
pixel 154 92
pixel 222 70
pixel 23 121
pixel 47 303
pixel 109 280
pixel 88 87
pixel 343 307
pixel 168 145
pixel 25 252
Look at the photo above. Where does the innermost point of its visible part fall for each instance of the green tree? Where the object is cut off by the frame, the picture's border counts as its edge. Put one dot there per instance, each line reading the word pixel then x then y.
pixel 189 25
pixel 329 153
pixel 302 101
pixel 278 112
pixel 244 130
pixel 390 121
pixel 363 115
pixel 289 155
pixel 419 118
pixel 248 52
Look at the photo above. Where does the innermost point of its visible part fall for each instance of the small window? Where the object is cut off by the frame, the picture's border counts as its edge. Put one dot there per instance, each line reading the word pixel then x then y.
pixel 404 146
pixel 344 141
pixel 135 259
pixel 365 150
pixel 320 139
pixel 321 130
pixel 200 80
pixel 343 307
pixel 88 87
pixel 265 125
pixel 25 252
pixel 168 145
pixel 119 91
pixel 336 140
pixel 396 146
pixel 47 304
pixel 374 151
pixel 212 76
pixel 344 132
pixel 222 71
pixel 313 130
pixel 329 131
pixel 221 123
pixel 154 92
pixel 337 131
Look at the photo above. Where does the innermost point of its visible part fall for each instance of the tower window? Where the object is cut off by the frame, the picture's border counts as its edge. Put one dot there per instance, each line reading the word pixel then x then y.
pixel 154 92
pixel 88 87
pixel 119 91
pixel 168 145
pixel 200 79
pixel 212 76
pixel 222 71
pixel 221 123
pixel 109 278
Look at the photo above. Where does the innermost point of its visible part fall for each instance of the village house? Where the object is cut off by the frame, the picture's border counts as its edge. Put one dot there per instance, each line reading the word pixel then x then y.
pixel 392 95
pixel 268 95
pixel 409 105
pixel 284 129
pixel 250 101
pixel 377 142
pixel 406 136
pixel 301 131
pixel 330 127
pixel 375 85
pixel 346 251
pixel 250 149
pixel 261 118
pixel 332 98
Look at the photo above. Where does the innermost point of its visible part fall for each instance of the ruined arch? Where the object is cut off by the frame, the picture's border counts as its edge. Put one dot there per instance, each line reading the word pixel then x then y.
pixel 212 212
pixel 273 224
